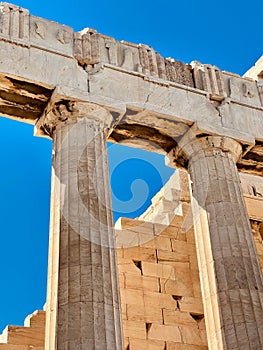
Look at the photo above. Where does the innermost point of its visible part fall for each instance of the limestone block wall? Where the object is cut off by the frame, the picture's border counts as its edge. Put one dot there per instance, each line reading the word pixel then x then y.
pixel 31 336
pixel 253 194
pixel 159 280
pixel 258 236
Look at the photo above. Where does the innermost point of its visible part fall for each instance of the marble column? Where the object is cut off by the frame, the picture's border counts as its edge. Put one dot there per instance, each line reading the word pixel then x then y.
pixel 231 278
pixel 83 306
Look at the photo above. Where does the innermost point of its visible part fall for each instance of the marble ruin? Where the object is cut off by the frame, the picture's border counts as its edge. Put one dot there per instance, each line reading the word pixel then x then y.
pixel 187 274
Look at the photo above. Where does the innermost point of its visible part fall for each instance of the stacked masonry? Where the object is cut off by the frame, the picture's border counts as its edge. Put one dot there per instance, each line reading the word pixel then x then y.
pixel 29 337
pixel 252 187
pixel 159 278
pixel 167 202
pixel 159 281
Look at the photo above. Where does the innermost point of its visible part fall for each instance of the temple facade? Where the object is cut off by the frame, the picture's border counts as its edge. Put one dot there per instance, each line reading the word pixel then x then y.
pixel 186 274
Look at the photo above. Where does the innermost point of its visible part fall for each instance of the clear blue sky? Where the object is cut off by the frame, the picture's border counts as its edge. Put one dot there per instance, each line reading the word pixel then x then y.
pixel 226 33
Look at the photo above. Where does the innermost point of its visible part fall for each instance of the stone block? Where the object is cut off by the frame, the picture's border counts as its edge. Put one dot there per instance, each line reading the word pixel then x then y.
pixel 142 282
pixel 159 300
pixel 147 240
pixel 183 247
pixel 178 286
pixel 178 265
pixel 168 256
pixel 176 346
pixel 166 231
pixel 134 329
pixel 128 266
pixel 31 335
pixel 177 221
pixel 139 344
pixel 158 270
pixel 193 335
pixel 192 305
pixel 126 238
pixel 132 297
pixel 140 253
pixel 135 313
pixel 164 332
pixel 177 317
pixel 134 225
pixel 25 336
pixel 158 242
pixel 144 314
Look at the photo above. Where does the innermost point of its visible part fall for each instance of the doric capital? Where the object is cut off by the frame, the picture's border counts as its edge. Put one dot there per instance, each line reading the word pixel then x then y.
pixel 70 112
pixel 191 146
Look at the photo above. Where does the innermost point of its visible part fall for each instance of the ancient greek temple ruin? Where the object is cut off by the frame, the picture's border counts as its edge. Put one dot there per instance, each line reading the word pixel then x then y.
pixel 187 274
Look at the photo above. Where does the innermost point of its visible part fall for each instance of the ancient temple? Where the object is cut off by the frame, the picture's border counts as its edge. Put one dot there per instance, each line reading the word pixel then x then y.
pixel 187 274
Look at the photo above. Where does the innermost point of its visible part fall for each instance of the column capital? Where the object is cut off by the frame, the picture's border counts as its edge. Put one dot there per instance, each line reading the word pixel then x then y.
pixel 192 145
pixel 66 112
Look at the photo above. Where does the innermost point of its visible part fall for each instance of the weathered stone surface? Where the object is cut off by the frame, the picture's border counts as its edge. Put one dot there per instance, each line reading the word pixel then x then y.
pixel 57 79
pixel 160 291
pixel 231 278
pixel 256 72
pixel 91 48
pixel 31 336
pixel 209 78
pixel 92 67
pixel 148 302
pixel 83 308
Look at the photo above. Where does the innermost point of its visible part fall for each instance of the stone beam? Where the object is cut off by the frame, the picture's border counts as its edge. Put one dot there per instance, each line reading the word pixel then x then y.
pixel 44 42
pixel 39 56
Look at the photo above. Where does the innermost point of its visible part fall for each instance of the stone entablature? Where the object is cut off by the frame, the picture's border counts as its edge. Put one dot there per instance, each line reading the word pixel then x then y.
pixel 92 49
pixel 44 61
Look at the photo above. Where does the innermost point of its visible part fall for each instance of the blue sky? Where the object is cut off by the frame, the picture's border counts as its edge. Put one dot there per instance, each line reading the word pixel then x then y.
pixel 226 33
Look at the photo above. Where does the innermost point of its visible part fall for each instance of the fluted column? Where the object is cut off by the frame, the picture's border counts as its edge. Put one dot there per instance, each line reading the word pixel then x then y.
pixel 231 279
pixel 83 307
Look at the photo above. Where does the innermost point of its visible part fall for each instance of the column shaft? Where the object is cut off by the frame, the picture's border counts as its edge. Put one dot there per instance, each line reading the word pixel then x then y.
pixel 83 307
pixel 231 278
